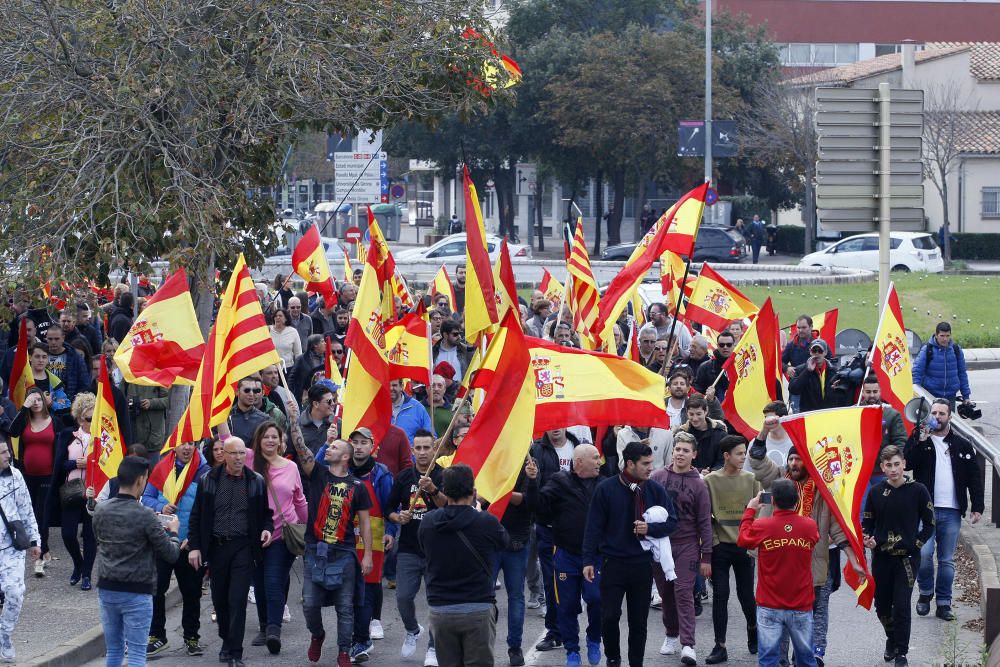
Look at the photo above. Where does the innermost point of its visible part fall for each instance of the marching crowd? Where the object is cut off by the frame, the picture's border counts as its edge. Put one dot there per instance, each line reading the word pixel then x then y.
pixel 599 519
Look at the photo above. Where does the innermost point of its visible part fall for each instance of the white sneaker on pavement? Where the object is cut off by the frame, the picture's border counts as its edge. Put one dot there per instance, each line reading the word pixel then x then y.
pixel 251 597
pixel 410 642
pixel 375 630
pixel 670 646
pixel 286 615
pixel 687 656
pixel 431 657
pixel 656 602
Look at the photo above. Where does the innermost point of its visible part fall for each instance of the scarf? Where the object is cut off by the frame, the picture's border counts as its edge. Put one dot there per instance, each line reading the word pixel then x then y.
pixel 364 468
pixel 635 486
pixel 807 495
pixel 170 481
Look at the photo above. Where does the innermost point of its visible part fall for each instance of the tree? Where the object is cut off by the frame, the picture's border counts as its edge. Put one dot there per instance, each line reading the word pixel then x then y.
pixel 137 131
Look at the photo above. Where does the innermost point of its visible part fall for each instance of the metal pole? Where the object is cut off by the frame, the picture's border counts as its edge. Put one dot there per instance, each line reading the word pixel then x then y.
pixel 708 90
pixel 884 186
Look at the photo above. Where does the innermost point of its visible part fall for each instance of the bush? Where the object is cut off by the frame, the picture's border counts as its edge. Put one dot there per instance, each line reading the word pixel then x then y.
pixel 745 206
pixel 791 239
pixel 975 246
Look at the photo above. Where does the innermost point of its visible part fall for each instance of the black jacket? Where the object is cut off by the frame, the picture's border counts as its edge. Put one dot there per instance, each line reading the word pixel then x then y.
pixel 707 372
pixel 119 323
pixel 202 519
pixel 806 385
pixel 566 498
pixel 547 460
pixel 968 477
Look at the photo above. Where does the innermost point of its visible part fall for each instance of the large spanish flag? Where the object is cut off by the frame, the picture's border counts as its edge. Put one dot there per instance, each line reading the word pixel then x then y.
pixel 239 344
pixel 500 434
pixel 584 295
pixel 367 402
pixel 408 346
pixel 890 357
pixel 675 231
pixel 164 346
pixel 551 288
pixel 480 294
pixel 384 263
pixel 715 302
pixel 442 285
pixel 752 369
pixel 309 261
pixel 839 448
pixel 106 449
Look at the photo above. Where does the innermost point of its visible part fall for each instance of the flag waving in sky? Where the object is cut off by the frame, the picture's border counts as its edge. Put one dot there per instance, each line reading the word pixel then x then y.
pixel 584 297
pixel 890 357
pixel 309 262
pixel 752 369
pixel 480 293
pixel 715 302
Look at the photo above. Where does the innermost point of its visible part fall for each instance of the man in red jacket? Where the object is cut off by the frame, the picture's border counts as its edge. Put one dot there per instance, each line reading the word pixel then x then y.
pixel 784 543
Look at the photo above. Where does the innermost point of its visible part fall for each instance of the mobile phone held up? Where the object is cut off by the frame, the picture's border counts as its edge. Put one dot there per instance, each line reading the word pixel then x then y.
pixel 765 498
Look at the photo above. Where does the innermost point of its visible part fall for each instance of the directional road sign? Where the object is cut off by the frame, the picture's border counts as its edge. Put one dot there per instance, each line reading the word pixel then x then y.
pixel 370 172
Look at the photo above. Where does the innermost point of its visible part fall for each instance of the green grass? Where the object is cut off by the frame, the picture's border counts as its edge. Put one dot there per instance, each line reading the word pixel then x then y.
pixel 968 302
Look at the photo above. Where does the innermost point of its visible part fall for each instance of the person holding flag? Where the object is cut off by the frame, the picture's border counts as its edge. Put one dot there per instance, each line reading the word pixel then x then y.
pixel 893 429
pixel 172 487
pixel 796 352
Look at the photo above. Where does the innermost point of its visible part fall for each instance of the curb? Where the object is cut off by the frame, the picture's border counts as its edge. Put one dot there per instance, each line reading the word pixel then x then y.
pixel 989 590
pixel 88 645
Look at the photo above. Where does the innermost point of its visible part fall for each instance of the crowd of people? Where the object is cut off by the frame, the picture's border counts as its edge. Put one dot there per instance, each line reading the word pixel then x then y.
pixel 599 519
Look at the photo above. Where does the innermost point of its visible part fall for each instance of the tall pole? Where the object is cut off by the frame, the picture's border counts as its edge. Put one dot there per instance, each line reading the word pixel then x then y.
pixel 884 187
pixel 708 90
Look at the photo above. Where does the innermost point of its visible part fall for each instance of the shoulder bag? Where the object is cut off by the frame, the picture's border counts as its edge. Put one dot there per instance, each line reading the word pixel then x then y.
pixel 19 538
pixel 294 534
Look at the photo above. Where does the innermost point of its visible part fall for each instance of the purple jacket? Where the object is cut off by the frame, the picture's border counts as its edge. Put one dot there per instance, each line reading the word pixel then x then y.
pixel 693 508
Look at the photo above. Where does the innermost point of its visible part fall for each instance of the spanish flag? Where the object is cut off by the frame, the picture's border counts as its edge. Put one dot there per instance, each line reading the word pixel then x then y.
pixel 21 380
pixel 501 431
pixel 164 346
pixel 824 326
pixel 442 285
pixel 106 449
pixel 584 296
pixel 839 448
pixel 890 357
pixel 239 344
pixel 551 288
pixel 384 263
pixel 672 270
pixel 408 345
pixel 504 283
pixel 751 369
pixel 715 302
pixel 675 231
pixel 309 262
pixel 480 294
pixel 331 369
pixel 367 402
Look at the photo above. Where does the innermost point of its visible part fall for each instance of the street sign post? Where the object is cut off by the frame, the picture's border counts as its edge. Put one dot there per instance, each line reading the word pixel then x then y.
pixel 361 178
pixel 691 138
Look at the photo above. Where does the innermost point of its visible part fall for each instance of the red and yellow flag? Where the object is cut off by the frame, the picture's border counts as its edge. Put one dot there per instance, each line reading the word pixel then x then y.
pixel 715 302
pixel 385 266
pixel 632 349
pixel 442 285
pixel 672 270
pixel 20 380
pixel 674 231
pixel 408 346
pixel 331 369
pixel 500 434
pixel 480 293
pixel 890 357
pixel 309 262
pixel 106 449
pixel 839 448
pixel 824 326
pixel 584 295
pixel 239 344
pixel 173 484
pixel 348 269
pixel 401 290
pixel 164 346
pixel 551 288
pixel 505 284
pixel 751 369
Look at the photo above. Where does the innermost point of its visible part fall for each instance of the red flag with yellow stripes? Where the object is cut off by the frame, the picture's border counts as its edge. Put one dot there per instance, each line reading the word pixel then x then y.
pixel 715 302
pixel 584 297
pixel 480 293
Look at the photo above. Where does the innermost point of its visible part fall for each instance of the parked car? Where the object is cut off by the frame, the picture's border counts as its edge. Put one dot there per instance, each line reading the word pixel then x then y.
pixel 908 251
pixel 453 248
pixel 714 244
pixel 331 248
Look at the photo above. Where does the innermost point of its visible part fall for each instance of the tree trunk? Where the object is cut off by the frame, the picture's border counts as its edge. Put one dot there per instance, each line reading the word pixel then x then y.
pixel 640 201
pixel 539 192
pixel 500 186
pixel 946 247
pixel 599 208
pixel 618 208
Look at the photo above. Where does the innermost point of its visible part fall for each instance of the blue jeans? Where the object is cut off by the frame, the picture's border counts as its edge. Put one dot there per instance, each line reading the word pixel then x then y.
pixel 515 566
pixel 570 586
pixel 771 624
pixel 545 547
pixel 947 523
pixel 125 617
pixel 315 597
pixel 270 583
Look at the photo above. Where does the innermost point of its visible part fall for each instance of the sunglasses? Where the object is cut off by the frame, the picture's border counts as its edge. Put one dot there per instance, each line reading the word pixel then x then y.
pixel 252 391
pixel 725 344
pixel 87 419
pixel 338 352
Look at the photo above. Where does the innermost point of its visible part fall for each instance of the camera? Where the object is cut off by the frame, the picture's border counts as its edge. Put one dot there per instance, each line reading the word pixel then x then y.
pixel 968 410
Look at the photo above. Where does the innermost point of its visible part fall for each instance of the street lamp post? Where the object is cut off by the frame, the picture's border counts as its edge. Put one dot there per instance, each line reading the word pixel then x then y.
pixel 708 90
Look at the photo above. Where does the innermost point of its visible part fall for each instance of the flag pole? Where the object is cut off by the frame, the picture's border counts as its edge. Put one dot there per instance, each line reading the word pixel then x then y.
pixel 451 425
pixel 677 306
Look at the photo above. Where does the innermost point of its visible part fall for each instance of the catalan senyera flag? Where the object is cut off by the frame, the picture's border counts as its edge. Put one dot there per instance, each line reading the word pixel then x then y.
pixel 331 369
pixel 239 344
pixel 752 369
pixel 164 346
pixel 106 449
pixel 367 402
pixel 675 231
pixel 715 302
pixel 551 288
pixel 442 285
pixel 839 447
pixel 309 262
pixel 500 433
pixel 505 284
pixel 480 293
pixel 890 357
pixel 348 269
pixel 584 295
pixel 401 290
pixel 408 346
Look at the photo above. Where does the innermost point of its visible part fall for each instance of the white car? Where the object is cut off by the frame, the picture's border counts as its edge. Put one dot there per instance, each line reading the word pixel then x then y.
pixel 453 248
pixel 909 251
pixel 332 249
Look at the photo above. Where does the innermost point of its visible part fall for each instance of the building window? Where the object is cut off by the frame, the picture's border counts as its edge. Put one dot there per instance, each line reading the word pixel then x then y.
pixel 824 54
pixel 847 53
pixel 817 55
pixel 991 202
pixel 887 49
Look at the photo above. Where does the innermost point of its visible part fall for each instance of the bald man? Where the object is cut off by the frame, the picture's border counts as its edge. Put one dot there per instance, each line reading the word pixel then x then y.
pixel 566 498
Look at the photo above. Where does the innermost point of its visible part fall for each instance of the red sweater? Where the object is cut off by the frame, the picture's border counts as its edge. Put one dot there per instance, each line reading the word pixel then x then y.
pixel 785 543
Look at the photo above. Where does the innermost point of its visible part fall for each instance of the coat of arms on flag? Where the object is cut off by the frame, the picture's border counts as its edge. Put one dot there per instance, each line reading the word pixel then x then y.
pixel 716 301
pixel 745 359
pixel 893 355
pixel 549 380
pixel 836 459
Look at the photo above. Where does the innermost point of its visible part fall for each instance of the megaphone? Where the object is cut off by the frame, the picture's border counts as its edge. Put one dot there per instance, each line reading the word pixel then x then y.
pixel 917 409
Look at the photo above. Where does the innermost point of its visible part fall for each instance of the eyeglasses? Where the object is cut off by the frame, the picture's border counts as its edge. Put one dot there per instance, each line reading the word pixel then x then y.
pixel 338 353
pixel 330 401
pixel 87 418
pixel 725 344
pixel 248 390
pixel 240 453
pixel 660 348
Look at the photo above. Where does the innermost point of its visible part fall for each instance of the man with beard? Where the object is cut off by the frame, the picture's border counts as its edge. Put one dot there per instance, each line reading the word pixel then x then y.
pixel 893 429
pixel 459 288
pixel 661 322
pixel 679 386
pixel 710 370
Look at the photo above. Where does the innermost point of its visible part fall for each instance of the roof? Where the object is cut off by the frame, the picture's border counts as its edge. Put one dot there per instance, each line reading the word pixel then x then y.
pixel 865 69
pixel 978 132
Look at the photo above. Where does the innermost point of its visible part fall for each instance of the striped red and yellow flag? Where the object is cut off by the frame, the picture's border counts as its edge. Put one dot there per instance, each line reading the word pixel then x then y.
pixel 21 379
pixel 584 297
pixel 715 302
pixel 505 284
pixel 401 289
pixel 824 326
pixel 442 285
pixel 551 288
pixel 348 269
pixel 106 449
pixel 890 356
pixel 239 344
pixel 480 293
pixel 164 346
pixel 309 262
pixel 752 369
pixel 839 448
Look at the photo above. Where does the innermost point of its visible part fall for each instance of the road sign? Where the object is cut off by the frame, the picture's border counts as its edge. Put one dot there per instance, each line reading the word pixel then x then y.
pixel 863 219
pixel 352 234
pixel 691 138
pixel 711 197
pixel 369 170
pixel 397 191
pixel 526 177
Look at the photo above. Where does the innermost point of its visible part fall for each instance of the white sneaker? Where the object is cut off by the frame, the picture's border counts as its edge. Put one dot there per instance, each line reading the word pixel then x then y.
pixel 431 658
pixel 410 642
pixel 656 602
pixel 687 656
pixel 251 597
pixel 375 630
pixel 286 615
pixel 40 567
pixel 670 646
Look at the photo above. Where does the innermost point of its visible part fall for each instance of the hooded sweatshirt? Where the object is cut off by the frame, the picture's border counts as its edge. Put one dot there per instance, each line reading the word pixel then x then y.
pixel 693 508
pixel 454 575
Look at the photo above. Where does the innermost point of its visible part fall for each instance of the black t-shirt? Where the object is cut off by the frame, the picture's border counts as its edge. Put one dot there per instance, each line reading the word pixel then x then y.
pixel 517 518
pixel 406 494
pixel 328 496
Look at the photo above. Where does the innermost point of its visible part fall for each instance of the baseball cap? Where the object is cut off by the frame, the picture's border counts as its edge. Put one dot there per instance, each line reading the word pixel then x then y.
pixel 821 344
pixel 364 431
